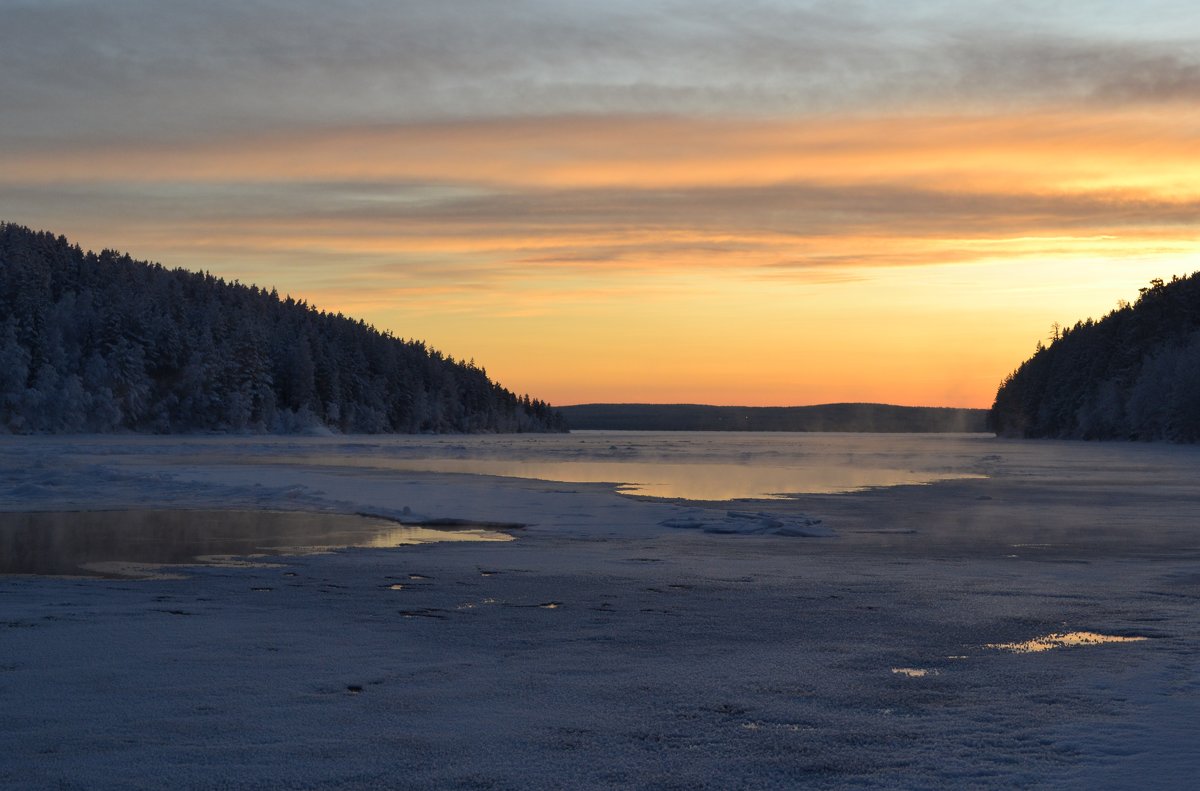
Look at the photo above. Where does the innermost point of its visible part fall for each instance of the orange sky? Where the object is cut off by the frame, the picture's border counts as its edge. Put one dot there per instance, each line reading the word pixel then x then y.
pixel 601 243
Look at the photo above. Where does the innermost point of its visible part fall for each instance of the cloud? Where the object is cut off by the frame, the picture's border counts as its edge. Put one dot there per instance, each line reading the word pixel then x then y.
pixel 120 70
pixel 1040 151
pixel 440 238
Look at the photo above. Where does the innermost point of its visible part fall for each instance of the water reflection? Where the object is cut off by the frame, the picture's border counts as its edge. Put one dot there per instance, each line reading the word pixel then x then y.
pixel 136 543
pixel 688 481
pixel 1063 640
pixel 913 672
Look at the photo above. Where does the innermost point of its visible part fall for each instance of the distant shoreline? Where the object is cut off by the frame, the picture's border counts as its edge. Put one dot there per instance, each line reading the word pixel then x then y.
pixel 867 418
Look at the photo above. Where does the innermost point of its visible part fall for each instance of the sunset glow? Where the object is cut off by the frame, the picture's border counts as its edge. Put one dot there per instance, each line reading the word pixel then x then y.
pixel 889 221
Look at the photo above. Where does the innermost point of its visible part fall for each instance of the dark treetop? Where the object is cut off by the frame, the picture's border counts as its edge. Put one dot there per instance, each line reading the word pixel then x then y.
pixel 100 342
pixel 1135 374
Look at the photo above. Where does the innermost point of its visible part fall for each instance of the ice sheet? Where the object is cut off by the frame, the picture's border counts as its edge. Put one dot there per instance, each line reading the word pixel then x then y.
pixel 611 645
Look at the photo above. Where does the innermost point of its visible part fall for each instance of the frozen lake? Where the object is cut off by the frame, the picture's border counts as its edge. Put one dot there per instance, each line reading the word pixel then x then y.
pixel 1070 497
pixel 990 614
pixel 769 464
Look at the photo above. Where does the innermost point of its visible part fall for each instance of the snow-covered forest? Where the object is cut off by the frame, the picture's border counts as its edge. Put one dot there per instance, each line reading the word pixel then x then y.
pixel 1135 374
pixel 99 342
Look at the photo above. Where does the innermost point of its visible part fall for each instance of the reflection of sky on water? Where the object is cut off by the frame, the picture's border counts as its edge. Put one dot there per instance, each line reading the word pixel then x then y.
pixel 406 536
pixel 126 543
pixel 689 481
pixel 913 672
pixel 1062 640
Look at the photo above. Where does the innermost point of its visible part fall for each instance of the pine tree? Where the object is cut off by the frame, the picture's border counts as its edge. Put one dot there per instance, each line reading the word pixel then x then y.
pixel 100 342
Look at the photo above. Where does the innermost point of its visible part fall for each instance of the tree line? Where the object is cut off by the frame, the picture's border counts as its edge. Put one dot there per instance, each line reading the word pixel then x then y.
pixel 1135 374
pixel 99 342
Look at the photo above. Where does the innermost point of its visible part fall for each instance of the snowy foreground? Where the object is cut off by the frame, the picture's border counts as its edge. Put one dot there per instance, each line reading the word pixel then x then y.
pixel 869 639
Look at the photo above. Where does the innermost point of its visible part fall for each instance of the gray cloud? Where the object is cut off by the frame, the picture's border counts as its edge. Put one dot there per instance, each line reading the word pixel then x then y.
pixel 779 208
pixel 147 70
pixel 590 228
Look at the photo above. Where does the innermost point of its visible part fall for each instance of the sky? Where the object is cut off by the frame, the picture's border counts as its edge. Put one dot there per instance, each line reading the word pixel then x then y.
pixel 762 202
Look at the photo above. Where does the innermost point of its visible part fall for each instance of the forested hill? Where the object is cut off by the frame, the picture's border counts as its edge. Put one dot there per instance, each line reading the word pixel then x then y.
pixel 883 418
pixel 1135 374
pixel 99 342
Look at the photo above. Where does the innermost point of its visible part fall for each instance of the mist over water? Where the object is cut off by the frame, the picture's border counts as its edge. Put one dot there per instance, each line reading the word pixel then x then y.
pixel 696 480
pixel 678 465
pixel 916 494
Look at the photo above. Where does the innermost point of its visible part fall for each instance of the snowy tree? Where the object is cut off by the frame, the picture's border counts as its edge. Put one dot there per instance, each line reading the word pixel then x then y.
pixel 1135 374
pixel 100 342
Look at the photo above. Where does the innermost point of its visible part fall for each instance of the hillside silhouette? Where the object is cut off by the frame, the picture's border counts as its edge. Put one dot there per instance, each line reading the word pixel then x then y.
pixel 99 342
pixel 1135 374
pixel 882 418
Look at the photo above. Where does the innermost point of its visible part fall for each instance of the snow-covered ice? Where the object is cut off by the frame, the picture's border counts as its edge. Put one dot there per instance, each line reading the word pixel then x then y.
pixel 816 641
pixel 749 523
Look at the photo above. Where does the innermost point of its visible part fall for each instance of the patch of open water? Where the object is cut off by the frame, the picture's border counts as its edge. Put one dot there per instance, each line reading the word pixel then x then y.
pixel 140 543
pixel 711 481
